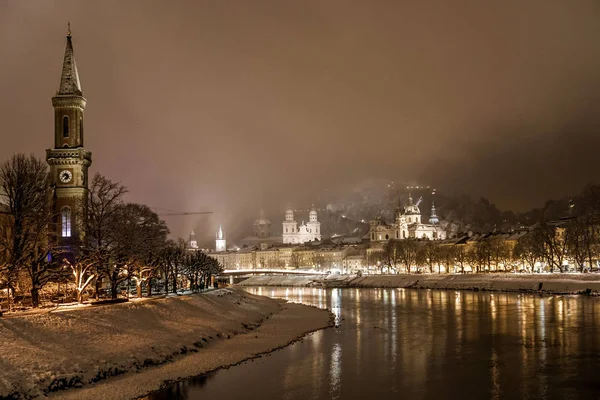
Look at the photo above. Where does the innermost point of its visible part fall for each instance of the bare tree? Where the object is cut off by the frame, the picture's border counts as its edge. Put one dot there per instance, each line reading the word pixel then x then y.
pixel 140 235
pixel 318 261
pixel 295 260
pixel 530 249
pixel 102 221
pixel 408 251
pixel 26 237
pixel 581 239
pixel 173 258
pixel 554 246
pixel 461 256
pixel 499 251
pixel 84 272
pixel 428 255
pixel 391 255
pixel 448 257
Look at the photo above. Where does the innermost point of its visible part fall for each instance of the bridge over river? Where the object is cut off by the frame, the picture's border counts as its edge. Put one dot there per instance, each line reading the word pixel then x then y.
pixel 232 276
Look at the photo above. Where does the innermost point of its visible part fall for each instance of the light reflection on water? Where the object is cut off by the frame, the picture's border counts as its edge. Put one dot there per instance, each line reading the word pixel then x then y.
pixel 425 344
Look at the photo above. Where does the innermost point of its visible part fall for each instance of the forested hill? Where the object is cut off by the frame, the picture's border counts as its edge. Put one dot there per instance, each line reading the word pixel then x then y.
pixel 462 213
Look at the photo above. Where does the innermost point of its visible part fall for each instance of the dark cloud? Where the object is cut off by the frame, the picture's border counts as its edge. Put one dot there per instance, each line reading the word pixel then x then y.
pixel 232 106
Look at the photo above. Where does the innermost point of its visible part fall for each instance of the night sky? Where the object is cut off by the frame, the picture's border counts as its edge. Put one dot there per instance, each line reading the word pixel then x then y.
pixel 231 106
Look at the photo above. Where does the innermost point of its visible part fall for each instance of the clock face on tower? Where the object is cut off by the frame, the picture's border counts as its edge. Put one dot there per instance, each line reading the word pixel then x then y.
pixel 65 176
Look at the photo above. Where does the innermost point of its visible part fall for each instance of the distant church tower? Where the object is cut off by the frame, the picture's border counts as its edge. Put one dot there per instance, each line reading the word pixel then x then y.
pixel 290 227
pixel 192 243
pixel 433 219
pixel 314 226
pixel 220 242
pixel 68 160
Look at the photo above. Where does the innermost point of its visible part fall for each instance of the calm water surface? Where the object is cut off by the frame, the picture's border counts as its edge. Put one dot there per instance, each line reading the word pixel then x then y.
pixel 424 344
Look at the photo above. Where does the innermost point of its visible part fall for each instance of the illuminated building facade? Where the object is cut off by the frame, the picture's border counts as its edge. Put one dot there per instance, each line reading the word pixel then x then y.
pixel 306 232
pixel 407 225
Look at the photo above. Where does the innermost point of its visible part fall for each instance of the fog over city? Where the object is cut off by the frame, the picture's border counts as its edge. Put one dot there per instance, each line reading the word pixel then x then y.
pixel 235 106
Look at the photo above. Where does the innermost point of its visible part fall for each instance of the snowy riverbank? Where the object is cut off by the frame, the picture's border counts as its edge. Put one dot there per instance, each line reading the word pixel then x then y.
pixel 46 352
pixel 538 283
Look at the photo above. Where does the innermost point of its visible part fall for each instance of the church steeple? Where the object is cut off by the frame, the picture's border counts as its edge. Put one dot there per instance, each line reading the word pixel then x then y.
pixel 69 79
pixel 68 160
pixel 220 242
pixel 69 104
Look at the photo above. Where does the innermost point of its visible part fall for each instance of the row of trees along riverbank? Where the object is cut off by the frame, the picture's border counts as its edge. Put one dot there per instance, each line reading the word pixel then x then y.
pixel 124 242
pixel 572 244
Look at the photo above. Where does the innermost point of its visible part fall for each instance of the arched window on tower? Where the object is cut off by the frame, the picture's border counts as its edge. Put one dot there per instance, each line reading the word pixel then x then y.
pixel 81 131
pixel 65 126
pixel 65 217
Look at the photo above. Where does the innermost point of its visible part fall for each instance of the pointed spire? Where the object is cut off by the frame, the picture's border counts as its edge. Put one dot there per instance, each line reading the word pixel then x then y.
pixel 410 199
pixel 220 233
pixel 69 79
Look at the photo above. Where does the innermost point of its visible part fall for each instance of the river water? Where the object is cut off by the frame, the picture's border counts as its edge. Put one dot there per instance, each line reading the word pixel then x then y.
pixel 423 344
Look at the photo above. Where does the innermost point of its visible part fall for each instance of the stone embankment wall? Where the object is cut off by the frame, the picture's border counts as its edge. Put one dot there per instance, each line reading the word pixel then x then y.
pixel 538 283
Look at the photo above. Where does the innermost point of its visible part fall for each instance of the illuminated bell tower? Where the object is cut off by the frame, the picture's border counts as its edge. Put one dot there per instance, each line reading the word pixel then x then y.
pixel 68 160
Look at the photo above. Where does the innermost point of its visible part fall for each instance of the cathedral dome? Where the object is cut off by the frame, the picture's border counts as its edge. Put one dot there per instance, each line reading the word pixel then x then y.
pixel 262 219
pixel 411 208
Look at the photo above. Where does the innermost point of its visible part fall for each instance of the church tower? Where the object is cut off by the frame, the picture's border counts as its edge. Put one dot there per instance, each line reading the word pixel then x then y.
pixel 68 160
pixel 220 241
pixel 290 227
pixel 433 219
pixel 313 225
pixel 192 243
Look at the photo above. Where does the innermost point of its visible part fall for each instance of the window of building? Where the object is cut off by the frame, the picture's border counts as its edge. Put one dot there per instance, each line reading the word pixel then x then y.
pixel 81 130
pixel 66 221
pixel 372 236
pixel 65 126
pixel 396 234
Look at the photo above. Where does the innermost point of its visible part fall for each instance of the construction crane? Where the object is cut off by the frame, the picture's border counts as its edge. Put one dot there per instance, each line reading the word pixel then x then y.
pixel 173 213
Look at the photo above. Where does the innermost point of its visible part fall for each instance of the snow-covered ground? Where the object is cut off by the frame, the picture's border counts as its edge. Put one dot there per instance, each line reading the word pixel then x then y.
pixel 44 352
pixel 542 283
pixel 281 329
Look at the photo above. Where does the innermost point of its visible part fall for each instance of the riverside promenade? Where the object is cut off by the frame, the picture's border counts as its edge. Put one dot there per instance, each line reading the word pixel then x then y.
pixel 529 283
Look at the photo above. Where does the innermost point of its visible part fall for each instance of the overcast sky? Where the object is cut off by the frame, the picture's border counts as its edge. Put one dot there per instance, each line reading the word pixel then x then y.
pixel 230 106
